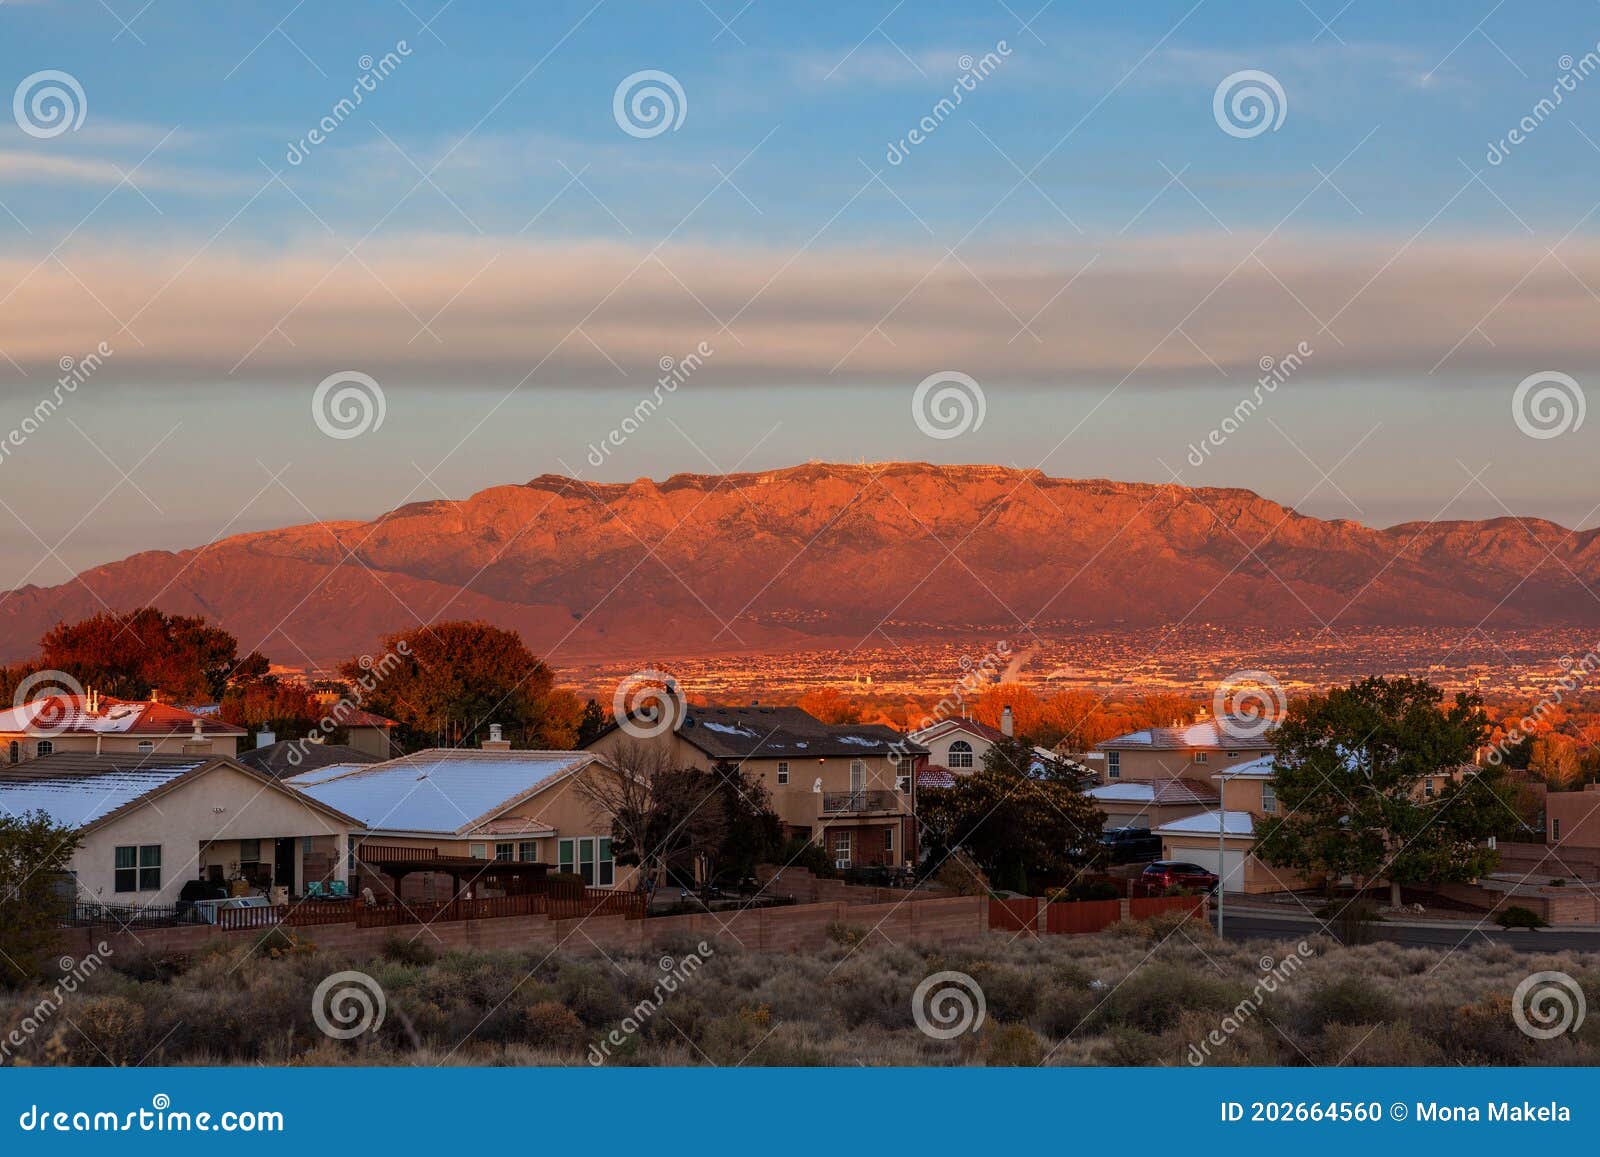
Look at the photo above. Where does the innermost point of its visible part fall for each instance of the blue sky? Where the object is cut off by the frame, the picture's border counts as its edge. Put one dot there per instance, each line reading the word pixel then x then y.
pixel 1080 236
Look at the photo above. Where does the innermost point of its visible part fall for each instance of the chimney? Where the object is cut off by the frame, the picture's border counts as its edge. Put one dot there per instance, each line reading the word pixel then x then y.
pixel 1007 724
pixel 495 742
pixel 199 728
pixel 265 739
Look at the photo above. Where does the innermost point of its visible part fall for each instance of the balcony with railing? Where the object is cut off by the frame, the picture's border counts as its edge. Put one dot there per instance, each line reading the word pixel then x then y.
pixel 860 802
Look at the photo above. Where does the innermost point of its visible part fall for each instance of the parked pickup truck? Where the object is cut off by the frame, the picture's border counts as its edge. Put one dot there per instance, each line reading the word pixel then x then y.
pixel 1130 845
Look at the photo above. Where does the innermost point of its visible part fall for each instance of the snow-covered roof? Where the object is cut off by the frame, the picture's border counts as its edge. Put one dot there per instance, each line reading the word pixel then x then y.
pixel 1205 824
pixel 1161 793
pixel 1213 734
pixel 1262 768
pixel 443 790
pixel 72 715
pixel 76 800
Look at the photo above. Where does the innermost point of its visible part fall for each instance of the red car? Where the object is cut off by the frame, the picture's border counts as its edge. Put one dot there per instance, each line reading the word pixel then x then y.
pixel 1178 874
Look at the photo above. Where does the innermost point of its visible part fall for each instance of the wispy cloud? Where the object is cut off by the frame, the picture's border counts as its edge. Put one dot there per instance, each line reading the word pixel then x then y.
pixel 495 310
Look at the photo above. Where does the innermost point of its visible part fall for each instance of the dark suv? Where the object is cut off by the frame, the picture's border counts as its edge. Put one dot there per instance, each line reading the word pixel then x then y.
pixel 1130 845
pixel 1178 874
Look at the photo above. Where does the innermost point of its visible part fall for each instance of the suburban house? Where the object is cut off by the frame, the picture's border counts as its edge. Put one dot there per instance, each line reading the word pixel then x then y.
pixel 429 825
pixel 1151 803
pixel 959 745
pixel 100 724
pixel 1193 751
pixel 849 787
pixel 1571 823
pixel 292 756
pixel 1246 796
pixel 151 823
pixel 366 731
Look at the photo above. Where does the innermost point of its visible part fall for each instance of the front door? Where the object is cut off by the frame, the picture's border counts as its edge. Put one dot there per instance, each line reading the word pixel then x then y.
pixel 283 863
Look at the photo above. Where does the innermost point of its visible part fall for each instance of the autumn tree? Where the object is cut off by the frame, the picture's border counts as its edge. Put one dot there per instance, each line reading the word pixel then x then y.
pixel 35 859
pixel 448 682
pixel 1013 821
pixel 129 654
pixel 1352 767
pixel 288 710
pixel 831 705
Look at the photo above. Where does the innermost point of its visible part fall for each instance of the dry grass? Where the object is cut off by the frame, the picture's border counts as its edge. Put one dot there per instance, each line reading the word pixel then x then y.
pixel 1149 994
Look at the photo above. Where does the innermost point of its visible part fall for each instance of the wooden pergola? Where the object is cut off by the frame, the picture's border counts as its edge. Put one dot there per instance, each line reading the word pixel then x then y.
pixel 512 877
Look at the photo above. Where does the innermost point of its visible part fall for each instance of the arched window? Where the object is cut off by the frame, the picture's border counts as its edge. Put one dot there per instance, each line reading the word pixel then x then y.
pixel 45 747
pixel 961 754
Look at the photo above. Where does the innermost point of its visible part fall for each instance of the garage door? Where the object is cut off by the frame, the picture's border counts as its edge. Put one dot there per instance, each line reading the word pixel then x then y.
pixel 1232 873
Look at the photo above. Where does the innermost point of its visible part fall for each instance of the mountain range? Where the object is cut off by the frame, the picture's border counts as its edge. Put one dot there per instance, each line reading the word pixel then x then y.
pixel 828 554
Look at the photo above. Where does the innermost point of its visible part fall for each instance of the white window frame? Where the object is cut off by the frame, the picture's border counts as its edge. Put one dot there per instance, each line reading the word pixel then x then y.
pixel 888 841
pixel 783 771
pixel 478 851
pixel 1269 799
pixel 44 747
pixel 961 754
pixel 843 848
pixel 531 848
pixel 505 851
pixel 1201 757
pixel 1113 765
pixel 146 746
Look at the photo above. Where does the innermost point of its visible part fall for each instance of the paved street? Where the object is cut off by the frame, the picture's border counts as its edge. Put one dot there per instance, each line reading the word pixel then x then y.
pixel 1253 924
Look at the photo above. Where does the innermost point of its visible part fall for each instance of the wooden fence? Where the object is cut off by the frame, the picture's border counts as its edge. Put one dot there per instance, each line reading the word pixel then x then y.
pixel 1021 914
pixel 1081 915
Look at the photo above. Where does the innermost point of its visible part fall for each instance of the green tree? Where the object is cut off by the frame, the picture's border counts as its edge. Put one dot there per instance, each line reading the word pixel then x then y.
pixel 35 856
pixel 1351 772
pixel 1013 817
pixel 446 683
pixel 754 832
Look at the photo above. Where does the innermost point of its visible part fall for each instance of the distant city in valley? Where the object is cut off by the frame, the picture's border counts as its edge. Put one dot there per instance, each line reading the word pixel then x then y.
pixel 1189 659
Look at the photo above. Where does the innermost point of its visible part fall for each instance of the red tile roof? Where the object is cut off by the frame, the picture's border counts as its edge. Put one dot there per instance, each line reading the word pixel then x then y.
pixel 70 715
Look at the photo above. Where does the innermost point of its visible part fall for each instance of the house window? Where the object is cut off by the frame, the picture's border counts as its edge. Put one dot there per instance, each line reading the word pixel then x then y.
pixel 961 754
pixel 1233 755
pixel 888 840
pixel 249 852
pixel 608 866
pixel 1113 765
pixel 504 851
pixel 783 771
pixel 841 849
pixel 478 851
pixel 593 858
pixel 16 751
pixel 1269 799
pixel 904 768
pixel 1427 787
pixel 565 850
pixel 146 746
pixel 1555 830
pixel 1201 757
pixel 528 851
pixel 137 868
pixel 45 747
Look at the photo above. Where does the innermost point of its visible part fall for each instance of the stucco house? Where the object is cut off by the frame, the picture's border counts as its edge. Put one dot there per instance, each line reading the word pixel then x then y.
pixel 1151 803
pixel 150 823
pixel 959 745
pixel 848 787
pixel 100 724
pixel 427 824
pixel 1183 751
pixel 1246 796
